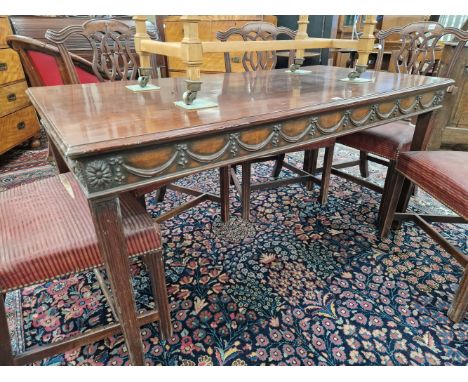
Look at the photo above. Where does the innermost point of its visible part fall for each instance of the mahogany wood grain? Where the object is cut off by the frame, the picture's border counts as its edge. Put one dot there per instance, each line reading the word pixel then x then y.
pixel 107 219
pixel 106 117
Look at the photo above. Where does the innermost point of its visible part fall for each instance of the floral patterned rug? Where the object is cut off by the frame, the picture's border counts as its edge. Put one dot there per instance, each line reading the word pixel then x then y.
pixel 305 284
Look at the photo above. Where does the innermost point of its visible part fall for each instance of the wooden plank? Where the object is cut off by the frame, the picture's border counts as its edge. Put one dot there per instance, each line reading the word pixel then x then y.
pixel 258 46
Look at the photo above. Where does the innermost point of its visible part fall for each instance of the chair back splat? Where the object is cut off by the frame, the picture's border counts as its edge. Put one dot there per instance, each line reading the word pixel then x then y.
pixel 110 41
pixel 419 43
pixel 256 31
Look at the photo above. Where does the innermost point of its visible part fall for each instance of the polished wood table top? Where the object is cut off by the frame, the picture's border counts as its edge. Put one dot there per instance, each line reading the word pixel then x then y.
pixel 115 140
pixel 107 116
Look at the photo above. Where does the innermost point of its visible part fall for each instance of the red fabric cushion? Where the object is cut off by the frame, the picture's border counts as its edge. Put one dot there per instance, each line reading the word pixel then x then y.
pixel 48 70
pixel 443 174
pixel 85 77
pixel 47 67
pixel 45 232
pixel 386 140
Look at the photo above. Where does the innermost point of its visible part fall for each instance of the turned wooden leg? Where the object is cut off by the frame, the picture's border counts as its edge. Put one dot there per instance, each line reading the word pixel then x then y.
pixel 327 165
pixel 35 141
pixel 460 302
pixel 245 191
pixel 363 164
pixel 310 165
pixel 160 194
pixel 387 191
pixel 394 191
pixel 107 218
pixel 155 265
pixel 278 165
pixel 6 352
pixel 224 178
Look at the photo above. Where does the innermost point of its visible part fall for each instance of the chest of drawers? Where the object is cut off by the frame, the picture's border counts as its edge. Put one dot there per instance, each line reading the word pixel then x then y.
pixel 18 120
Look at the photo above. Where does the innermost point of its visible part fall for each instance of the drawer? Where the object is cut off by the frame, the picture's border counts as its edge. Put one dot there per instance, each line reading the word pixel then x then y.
pixel 10 66
pixel 13 97
pixel 17 127
pixel 5 30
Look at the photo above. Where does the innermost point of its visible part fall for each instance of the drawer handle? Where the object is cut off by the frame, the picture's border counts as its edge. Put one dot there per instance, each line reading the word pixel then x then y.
pixel 11 97
pixel 21 125
pixel 3 66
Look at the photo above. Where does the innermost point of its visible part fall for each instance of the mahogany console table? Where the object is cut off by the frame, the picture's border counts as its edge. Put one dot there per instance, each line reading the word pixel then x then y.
pixel 115 140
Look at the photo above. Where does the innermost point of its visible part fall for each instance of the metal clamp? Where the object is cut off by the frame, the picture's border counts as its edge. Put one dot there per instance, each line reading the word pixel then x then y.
pixel 144 76
pixel 358 70
pixel 191 94
pixel 297 64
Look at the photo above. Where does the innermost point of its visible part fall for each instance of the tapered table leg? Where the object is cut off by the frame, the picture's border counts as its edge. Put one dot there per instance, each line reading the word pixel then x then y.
pixel 422 134
pixel 224 178
pixel 107 219
pixel 246 190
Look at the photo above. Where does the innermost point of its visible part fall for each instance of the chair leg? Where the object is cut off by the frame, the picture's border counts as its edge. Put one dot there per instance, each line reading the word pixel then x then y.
pixel 160 194
pixel 363 164
pixel 224 178
pixel 394 191
pixel 460 302
pixel 386 194
pixel 246 190
pixel 310 165
pixel 278 165
pixel 6 352
pixel 327 165
pixel 155 265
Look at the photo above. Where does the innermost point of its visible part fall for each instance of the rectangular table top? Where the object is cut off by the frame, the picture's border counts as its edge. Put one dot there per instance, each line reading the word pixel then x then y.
pixel 103 117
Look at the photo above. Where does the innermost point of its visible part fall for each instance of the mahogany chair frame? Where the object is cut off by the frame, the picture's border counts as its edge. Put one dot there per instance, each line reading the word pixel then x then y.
pixel 415 56
pixel 266 60
pixel 460 302
pixel 23 44
pixel 111 42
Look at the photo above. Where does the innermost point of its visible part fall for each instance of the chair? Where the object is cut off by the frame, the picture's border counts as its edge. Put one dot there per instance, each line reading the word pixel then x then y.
pixel 416 55
pixel 111 42
pixel 252 61
pixel 444 175
pixel 47 232
pixel 44 65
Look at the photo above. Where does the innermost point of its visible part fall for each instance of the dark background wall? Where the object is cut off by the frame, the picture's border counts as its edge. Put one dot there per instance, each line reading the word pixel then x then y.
pixel 319 26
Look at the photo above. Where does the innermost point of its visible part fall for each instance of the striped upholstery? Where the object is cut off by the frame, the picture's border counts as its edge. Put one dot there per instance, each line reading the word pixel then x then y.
pixel 46 232
pixel 443 174
pixel 386 140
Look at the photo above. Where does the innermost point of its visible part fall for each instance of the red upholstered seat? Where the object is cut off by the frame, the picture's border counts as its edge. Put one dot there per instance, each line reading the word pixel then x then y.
pixel 49 72
pixel 443 174
pixel 47 231
pixel 387 140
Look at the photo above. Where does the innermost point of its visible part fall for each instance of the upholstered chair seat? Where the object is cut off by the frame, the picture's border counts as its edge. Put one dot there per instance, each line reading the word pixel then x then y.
pixel 443 174
pixel 47 232
pixel 387 141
